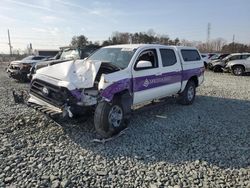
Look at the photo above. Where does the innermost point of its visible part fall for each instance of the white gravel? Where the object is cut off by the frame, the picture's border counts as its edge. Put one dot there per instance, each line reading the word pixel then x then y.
pixel 203 145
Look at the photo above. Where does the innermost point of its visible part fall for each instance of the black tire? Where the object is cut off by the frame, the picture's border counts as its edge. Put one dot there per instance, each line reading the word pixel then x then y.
pixel 185 97
pixel 205 65
pixel 102 119
pixel 210 66
pixel 217 69
pixel 238 70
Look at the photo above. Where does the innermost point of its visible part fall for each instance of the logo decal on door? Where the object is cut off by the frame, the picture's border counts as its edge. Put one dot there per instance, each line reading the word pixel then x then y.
pixel 156 81
pixel 146 83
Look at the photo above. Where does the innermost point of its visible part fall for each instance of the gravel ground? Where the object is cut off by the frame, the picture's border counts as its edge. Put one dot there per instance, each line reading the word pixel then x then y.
pixel 203 145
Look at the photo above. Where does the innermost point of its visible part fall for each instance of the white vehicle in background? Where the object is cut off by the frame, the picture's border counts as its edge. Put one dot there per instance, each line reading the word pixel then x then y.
pixel 239 67
pixel 114 80
pixel 207 58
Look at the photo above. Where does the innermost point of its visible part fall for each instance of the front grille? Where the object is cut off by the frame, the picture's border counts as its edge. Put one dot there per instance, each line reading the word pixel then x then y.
pixel 14 67
pixel 57 96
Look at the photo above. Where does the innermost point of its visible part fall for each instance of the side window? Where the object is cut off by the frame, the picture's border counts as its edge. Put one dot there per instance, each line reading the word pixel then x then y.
pixel 168 57
pixel 235 57
pixel 190 55
pixel 245 56
pixel 148 55
pixel 37 58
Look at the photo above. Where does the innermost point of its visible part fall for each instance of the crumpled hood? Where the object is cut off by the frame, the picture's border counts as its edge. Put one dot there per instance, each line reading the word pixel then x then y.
pixel 221 63
pixel 50 62
pixel 15 62
pixel 77 73
pixel 23 62
pixel 215 61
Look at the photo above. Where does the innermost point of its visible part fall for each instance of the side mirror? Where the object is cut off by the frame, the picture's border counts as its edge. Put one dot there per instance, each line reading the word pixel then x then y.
pixel 144 65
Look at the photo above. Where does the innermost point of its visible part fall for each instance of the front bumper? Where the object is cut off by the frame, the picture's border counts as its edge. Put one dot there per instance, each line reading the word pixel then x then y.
pixel 54 111
pixel 17 74
pixel 45 107
pixel 210 66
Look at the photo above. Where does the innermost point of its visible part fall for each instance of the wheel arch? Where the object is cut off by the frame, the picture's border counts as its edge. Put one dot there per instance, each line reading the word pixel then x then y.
pixel 126 99
pixel 239 65
pixel 195 79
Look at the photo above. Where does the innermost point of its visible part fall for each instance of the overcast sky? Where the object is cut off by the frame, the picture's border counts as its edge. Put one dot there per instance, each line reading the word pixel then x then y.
pixel 48 24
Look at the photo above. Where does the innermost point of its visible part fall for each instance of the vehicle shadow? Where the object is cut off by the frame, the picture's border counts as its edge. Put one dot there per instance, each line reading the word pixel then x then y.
pixel 215 130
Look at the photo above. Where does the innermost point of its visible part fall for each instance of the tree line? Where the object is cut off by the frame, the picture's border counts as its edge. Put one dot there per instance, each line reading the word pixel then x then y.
pixel 219 45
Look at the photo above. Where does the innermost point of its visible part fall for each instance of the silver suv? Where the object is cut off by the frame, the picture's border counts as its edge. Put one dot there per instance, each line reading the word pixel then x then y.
pixel 238 67
pixel 218 66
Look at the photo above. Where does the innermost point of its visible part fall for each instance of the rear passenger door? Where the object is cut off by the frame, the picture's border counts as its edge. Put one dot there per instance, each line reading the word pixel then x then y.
pixel 171 71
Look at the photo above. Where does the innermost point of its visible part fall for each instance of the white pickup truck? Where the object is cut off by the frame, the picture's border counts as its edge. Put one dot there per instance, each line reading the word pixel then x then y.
pixel 115 79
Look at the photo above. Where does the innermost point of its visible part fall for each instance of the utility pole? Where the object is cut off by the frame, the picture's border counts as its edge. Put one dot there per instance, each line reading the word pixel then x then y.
pixel 9 42
pixel 208 35
pixel 233 43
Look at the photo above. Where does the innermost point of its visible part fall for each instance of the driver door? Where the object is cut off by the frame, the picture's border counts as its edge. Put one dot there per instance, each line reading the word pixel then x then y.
pixel 144 87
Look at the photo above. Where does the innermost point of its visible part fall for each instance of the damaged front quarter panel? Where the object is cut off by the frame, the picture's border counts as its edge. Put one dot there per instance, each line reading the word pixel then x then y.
pixel 111 84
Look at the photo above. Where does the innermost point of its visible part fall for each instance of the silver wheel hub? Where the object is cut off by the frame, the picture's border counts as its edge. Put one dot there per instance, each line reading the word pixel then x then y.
pixel 190 93
pixel 115 116
pixel 238 71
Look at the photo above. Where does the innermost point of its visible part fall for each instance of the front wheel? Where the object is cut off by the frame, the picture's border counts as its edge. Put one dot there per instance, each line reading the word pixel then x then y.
pixel 218 69
pixel 238 70
pixel 109 119
pixel 188 95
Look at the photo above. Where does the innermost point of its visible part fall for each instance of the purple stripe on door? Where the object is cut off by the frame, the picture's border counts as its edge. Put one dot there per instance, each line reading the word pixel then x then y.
pixel 148 82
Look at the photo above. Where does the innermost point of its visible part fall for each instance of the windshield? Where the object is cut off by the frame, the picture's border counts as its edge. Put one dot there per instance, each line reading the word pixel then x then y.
pixel 119 57
pixel 70 54
pixel 214 57
pixel 226 58
pixel 28 58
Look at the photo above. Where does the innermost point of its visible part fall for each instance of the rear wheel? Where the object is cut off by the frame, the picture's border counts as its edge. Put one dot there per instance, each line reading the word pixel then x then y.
pixel 109 119
pixel 188 95
pixel 238 70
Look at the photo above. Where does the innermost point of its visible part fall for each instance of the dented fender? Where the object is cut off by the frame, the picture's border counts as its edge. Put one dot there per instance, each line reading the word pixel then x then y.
pixel 111 84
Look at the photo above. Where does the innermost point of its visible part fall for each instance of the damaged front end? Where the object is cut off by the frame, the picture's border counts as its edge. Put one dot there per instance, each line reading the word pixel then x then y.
pixel 59 101
pixel 18 71
pixel 68 89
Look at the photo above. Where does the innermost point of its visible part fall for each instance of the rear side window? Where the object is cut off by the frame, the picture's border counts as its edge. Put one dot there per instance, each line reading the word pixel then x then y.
pixel 245 56
pixel 235 57
pixel 190 55
pixel 168 57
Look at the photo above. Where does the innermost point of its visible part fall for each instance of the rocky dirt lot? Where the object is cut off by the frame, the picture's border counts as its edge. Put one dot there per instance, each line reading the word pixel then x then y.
pixel 203 145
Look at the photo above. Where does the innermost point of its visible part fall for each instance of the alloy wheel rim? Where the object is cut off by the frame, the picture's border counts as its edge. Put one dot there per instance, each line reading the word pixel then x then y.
pixel 115 116
pixel 190 93
pixel 238 71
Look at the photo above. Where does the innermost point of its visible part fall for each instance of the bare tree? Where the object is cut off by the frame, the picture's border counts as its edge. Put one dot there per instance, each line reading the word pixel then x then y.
pixel 79 41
